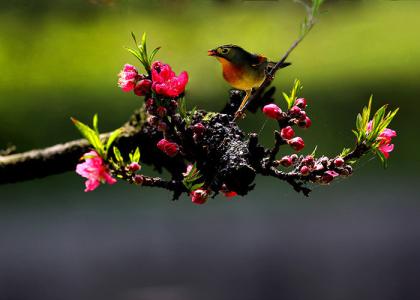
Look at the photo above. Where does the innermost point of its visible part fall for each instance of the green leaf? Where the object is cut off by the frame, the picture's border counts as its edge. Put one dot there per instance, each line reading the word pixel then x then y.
pixel 136 54
pixel 143 42
pixel 196 186
pixel 182 108
pixel 382 158
pixel 91 135
pixel 112 138
pixel 95 123
pixel 345 152
pixel 314 152
pixel 153 54
pixel 134 38
pixel 118 155
pixel 210 115
pixel 286 97
pixel 136 156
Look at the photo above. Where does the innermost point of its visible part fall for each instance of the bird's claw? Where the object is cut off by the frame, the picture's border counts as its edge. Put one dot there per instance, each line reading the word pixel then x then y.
pixel 269 77
pixel 239 115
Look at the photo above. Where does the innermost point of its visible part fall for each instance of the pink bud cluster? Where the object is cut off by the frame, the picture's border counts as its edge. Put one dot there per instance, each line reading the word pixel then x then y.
pixel 322 170
pixel 295 116
pixel 296 113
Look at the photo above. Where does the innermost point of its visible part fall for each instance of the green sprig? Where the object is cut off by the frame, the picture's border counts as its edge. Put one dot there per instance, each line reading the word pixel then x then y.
pixel 141 52
pixel 93 136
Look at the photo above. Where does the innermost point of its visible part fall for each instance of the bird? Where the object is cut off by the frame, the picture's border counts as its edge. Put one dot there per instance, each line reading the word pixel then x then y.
pixel 241 69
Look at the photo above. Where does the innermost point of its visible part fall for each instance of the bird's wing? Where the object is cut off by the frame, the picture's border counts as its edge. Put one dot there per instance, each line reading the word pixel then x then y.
pixel 258 60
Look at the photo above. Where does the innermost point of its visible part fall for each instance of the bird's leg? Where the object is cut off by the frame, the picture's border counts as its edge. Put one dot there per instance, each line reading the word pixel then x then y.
pixel 239 113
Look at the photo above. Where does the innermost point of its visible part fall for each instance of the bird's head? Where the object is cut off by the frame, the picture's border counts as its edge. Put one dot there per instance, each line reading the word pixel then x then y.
pixel 232 53
pixel 236 55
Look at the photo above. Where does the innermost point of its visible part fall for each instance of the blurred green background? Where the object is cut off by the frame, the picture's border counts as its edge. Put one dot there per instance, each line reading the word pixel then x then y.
pixel 61 58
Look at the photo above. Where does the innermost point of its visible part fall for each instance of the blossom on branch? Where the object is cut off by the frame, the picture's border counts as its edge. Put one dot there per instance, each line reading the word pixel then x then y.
pixel 296 143
pixel 165 82
pixel 199 196
pixel 384 139
pixel 94 170
pixel 167 147
pixel 272 111
pixel 127 78
pixel 143 87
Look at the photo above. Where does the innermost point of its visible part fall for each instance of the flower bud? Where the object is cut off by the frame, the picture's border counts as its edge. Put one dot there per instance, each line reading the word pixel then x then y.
pixel 287 133
pixel 138 179
pixel 161 111
pixel 152 120
pixel 272 111
pixel 127 78
pixel 294 158
pixel 296 143
pixel 318 167
pixel 174 103
pixel 302 116
pixel 304 170
pixel 199 129
pixel 308 161
pixel 286 161
pixel 167 147
pixel 134 167
pixel 199 196
pixel 149 102
pixel 295 111
pixel 324 161
pixel 339 162
pixel 301 103
pixel 162 126
pixel 308 122
pixel 143 87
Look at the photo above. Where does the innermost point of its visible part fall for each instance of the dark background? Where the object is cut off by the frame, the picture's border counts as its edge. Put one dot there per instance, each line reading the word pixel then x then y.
pixel 355 239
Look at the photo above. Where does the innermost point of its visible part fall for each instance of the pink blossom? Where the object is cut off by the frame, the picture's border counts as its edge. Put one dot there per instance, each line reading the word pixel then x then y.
pixel 329 176
pixel 143 87
pixel 165 82
pixel 287 133
pixel 127 78
pixel 296 143
pixel 94 170
pixel 199 196
pixel 384 138
pixel 272 111
pixel 188 170
pixel 169 148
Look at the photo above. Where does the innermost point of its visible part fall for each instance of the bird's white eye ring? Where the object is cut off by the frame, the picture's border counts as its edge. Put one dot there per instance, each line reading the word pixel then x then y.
pixel 225 50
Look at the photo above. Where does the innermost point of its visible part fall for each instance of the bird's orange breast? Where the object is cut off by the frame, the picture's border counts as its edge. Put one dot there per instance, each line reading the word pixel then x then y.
pixel 237 76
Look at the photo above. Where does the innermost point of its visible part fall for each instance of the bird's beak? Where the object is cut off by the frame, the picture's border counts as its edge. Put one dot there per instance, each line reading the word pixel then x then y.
pixel 212 52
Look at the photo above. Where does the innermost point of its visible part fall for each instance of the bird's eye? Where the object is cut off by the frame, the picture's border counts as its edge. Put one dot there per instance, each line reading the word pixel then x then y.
pixel 225 50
